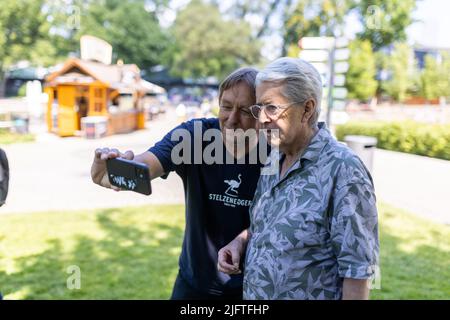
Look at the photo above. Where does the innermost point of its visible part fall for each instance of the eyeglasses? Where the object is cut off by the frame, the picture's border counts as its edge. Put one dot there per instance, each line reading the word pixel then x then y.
pixel 272 111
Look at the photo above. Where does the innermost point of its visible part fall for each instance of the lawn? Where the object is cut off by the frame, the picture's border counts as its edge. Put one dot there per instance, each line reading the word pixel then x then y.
pixel 7 137
pixel 132 253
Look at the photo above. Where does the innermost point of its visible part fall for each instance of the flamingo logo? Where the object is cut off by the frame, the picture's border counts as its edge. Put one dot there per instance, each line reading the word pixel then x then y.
pixel 232 186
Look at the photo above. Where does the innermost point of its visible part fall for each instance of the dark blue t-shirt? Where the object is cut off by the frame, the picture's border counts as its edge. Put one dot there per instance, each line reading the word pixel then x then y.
pixel 217 198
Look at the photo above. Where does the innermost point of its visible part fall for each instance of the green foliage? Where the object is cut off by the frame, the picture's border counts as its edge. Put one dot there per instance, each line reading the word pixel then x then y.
pixel 385 22
pixel 435 78
pixel 131 253
pixel 131 29
pixel 46 31
pixel 7 137
pixel 22 92
pixel 360 77
pixel 126 253
pixel 208 45
pixel 414 256
pixel 23 25
pixel 410 137
pixel 401 75
pixel 313 18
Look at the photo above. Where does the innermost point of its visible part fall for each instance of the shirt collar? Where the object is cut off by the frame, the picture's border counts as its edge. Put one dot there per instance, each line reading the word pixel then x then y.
pixel 312 151
pixel 317 143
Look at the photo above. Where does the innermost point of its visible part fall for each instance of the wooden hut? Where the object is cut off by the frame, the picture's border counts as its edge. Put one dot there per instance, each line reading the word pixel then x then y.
pixel 84 90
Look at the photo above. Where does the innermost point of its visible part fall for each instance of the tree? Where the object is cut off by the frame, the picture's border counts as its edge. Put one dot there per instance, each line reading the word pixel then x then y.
pixel 360 77
pixel 313 18
pixel 384 22
pixel 434 79
pixel 130 27
pixel 23 30
pixel 208 45
pixel 398 67
pixel 246 9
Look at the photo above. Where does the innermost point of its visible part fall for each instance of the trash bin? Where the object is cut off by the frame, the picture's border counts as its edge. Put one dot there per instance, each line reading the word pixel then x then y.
pixel 364 147
pixel 94 127
pixel 20 125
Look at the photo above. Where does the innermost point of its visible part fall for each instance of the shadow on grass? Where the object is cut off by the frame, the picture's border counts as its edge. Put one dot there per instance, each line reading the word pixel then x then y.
pixel 418 273
pixel 132 259
pixel 128 261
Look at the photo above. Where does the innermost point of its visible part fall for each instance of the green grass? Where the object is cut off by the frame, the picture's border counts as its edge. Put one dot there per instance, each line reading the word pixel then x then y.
pixel 415 257
pixel 132 253
pixel 122 253
pixel 7 137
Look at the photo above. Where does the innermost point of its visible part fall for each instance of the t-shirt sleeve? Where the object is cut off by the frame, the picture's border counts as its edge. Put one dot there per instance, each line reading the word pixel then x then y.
pixel 173 161
pixel 354 230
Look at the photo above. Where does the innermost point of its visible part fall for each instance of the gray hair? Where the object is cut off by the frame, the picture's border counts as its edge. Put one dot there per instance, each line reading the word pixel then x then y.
pixel 299 79
pixel 246 75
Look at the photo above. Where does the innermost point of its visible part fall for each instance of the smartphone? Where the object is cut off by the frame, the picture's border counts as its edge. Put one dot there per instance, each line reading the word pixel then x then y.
pixel 129 175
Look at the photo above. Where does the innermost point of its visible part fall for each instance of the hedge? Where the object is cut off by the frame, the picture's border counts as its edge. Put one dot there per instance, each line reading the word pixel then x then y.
pixel 432 140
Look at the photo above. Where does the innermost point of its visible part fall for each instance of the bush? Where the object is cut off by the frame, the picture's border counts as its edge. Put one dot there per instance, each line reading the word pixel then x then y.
pixel 410 137
pixel 22 92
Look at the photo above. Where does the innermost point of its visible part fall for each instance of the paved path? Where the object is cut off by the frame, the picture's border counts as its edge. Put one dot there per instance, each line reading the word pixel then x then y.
pixel 54 174
pixel 420 185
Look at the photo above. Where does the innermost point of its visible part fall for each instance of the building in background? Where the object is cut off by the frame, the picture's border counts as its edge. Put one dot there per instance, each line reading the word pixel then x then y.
pixel 93 90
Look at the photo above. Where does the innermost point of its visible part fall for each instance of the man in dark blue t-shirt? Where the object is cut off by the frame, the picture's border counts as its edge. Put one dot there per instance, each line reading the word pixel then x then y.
pixel 217 193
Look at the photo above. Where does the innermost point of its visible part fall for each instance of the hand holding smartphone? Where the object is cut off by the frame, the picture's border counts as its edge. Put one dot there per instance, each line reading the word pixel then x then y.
pixel 129 175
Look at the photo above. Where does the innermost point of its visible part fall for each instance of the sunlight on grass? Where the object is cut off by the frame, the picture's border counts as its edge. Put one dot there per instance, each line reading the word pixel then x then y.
pixel 415 257
pixel 9 138
pixel 129 253
pixel 132 253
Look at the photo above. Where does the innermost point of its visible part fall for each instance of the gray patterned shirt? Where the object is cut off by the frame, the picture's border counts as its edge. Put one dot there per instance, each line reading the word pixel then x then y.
pixel 313 227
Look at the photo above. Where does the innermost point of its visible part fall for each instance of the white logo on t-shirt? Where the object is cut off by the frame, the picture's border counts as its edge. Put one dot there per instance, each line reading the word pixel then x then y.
pixel 232 187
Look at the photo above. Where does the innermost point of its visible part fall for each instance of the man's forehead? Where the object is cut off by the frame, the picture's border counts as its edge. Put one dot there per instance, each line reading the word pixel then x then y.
pixel 239 91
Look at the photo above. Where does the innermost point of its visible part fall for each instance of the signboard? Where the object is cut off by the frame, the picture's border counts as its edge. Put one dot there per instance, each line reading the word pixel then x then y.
pixel 339 80
pixel 96 49
pixel 330 57
pixel 341 42
pixel 341 67
pixel 341 54
pixel 316 43
pixel 339 93
pixel 315 55
pixel 321 67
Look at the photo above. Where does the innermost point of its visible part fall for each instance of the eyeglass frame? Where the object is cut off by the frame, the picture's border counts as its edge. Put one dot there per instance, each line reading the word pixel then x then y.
pixel 263 107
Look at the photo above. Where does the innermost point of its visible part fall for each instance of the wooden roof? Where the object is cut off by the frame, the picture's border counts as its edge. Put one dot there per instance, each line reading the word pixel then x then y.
pixel 113 75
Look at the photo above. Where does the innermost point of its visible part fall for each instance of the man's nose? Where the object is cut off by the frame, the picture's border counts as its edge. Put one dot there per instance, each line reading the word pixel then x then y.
pixel 233 118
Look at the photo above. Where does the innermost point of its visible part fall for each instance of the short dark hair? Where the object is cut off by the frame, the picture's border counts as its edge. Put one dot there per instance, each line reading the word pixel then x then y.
pixel 246 75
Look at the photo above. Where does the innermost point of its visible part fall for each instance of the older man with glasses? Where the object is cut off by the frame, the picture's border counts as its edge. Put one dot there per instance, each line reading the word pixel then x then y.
pixel 314 225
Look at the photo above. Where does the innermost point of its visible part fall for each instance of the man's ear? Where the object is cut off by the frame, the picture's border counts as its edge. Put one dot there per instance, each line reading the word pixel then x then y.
pixel 310 108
